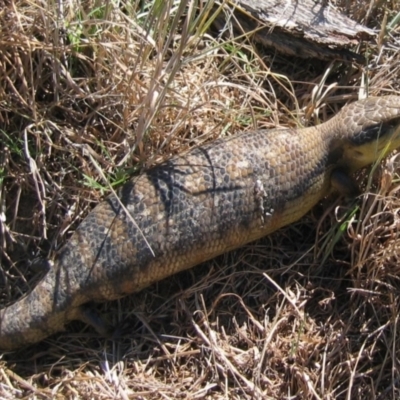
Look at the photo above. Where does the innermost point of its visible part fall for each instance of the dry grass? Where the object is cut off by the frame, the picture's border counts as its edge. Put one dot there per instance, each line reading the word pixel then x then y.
pixel 95 91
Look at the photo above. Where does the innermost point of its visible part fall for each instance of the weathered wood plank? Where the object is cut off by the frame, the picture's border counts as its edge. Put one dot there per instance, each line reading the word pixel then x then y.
pixel 303 28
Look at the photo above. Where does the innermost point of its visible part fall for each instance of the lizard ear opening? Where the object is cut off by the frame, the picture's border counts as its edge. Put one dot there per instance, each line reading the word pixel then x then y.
pixel 344 184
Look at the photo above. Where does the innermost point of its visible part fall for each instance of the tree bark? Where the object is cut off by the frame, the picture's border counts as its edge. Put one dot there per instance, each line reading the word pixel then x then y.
pixel 302 28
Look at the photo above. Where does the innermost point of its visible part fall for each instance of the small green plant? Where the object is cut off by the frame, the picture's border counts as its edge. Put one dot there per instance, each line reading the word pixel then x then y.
pixel 14 143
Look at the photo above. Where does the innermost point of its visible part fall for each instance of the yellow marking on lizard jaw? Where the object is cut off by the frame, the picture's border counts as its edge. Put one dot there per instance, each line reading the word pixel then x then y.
pixel 359 156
